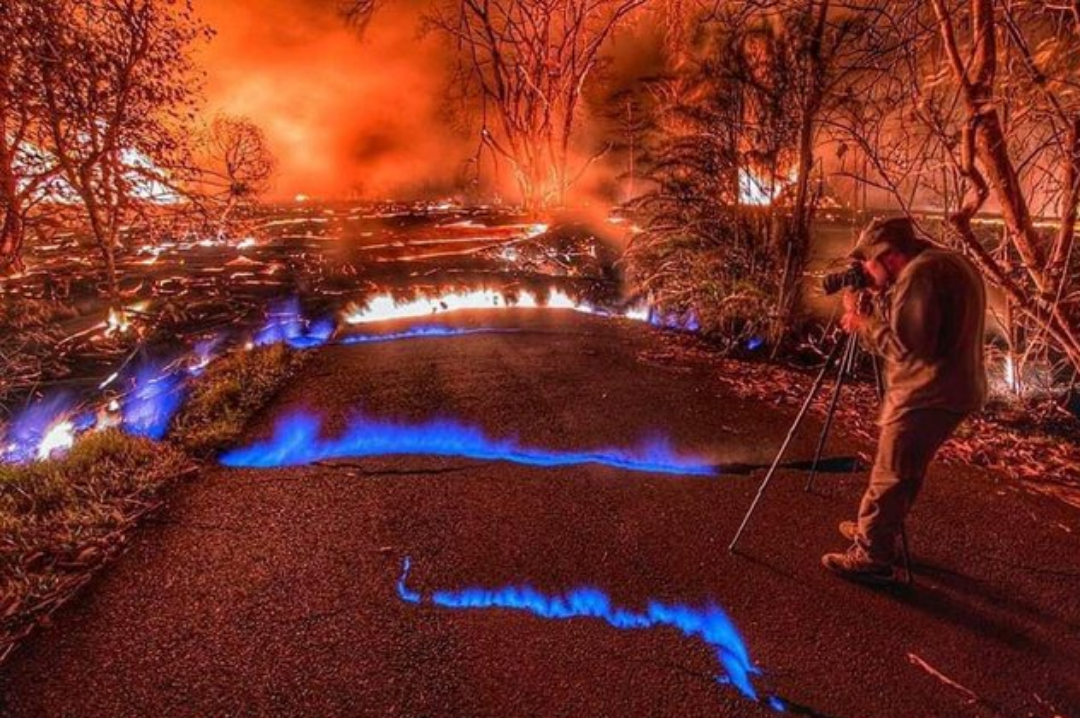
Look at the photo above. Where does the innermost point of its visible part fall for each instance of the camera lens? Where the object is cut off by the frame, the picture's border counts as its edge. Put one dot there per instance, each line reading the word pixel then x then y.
pixel 833 283
pixel 853 277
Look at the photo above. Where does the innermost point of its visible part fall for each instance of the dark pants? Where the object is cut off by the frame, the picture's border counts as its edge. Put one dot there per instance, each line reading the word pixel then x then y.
pixel 905 449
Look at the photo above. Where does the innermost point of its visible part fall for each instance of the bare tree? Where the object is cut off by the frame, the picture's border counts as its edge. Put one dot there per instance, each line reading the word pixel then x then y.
pixel 25 168
pixel 117 88
pixel 812 56
pixel 979 108
pixel 234 165
pixel 527 63
pixel 359 12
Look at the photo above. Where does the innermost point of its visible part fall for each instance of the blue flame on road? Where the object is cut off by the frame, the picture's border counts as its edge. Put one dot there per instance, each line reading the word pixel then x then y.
pixel 296 442
pixel 710 624
pixel 286 324
pixel 422 332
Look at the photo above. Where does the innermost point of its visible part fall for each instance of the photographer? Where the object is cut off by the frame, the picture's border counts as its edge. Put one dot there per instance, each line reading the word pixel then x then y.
pixel 931 338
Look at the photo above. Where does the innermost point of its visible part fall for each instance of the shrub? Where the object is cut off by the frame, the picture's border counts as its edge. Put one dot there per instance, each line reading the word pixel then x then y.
pixel 233 389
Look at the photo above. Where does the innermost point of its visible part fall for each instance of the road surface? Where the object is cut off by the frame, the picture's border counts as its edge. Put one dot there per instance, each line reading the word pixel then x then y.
pixel 274 592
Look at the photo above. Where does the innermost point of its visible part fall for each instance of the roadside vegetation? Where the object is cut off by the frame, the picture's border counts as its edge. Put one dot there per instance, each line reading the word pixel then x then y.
pixel 224 399
pixel 29 335
pixel 64 518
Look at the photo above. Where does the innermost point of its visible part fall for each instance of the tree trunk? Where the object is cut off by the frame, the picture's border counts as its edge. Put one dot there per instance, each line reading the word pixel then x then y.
pixel 105 242
pixel 798 234
pixel 11 240
pixel 986 143
pixel 1070 204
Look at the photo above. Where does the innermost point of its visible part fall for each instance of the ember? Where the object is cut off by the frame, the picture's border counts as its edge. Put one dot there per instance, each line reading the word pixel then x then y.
pixel 117 322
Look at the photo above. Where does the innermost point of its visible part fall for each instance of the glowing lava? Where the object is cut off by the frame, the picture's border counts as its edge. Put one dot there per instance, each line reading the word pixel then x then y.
pixel 117 322
pixel 58 438
pixel 384 307
pixel 710 624
pixel 297 442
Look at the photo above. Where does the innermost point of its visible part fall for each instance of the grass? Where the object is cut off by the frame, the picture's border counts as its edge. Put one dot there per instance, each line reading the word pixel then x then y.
pixel 61 519
pixel 224 399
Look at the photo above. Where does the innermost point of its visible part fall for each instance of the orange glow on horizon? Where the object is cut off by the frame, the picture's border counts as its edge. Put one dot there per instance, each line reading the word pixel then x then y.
pixel 344 115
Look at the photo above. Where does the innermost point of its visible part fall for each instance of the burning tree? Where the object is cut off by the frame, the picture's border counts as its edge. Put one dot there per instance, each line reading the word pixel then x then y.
pixel 737 133
pixel 699 252
pixel 115 94
pixel 234 165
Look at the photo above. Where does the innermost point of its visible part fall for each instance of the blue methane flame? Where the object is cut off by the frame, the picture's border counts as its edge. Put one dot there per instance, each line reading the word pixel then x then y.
pixel 26 431
pixel 286 324
pixel 423 332
pixel 709 624
pixel 680 322
pixel 297 441
pixel 202 354
pixel 156 397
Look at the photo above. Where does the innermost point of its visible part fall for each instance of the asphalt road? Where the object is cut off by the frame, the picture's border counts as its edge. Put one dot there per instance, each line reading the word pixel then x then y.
pixel 273 592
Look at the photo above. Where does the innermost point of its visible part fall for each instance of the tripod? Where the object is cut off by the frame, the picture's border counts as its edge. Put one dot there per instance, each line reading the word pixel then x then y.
pixel 847 353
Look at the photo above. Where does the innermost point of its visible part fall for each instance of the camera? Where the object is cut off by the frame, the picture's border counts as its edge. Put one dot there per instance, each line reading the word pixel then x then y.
pixel 854 277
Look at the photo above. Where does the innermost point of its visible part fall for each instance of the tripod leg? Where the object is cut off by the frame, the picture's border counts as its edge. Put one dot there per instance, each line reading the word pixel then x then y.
pixel 905 552
pixel 787 441
pixel 878 380
pixel 845 368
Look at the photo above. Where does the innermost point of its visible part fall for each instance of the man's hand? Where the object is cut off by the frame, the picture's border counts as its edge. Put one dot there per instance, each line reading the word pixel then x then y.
pixel 855 311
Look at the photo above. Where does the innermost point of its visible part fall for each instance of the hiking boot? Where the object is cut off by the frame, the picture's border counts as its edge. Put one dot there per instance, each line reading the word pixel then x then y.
pixel 849 529
pixel 855 565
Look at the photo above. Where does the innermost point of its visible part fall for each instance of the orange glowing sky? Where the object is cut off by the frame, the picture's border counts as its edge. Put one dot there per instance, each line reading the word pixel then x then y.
pixel 344 115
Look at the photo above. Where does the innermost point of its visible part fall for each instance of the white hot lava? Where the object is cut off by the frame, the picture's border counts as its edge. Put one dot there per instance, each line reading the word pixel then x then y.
pixel 384 307
pixel 59 437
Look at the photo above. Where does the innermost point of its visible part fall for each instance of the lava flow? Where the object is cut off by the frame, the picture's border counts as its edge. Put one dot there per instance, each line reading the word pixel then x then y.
pixel 385 307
